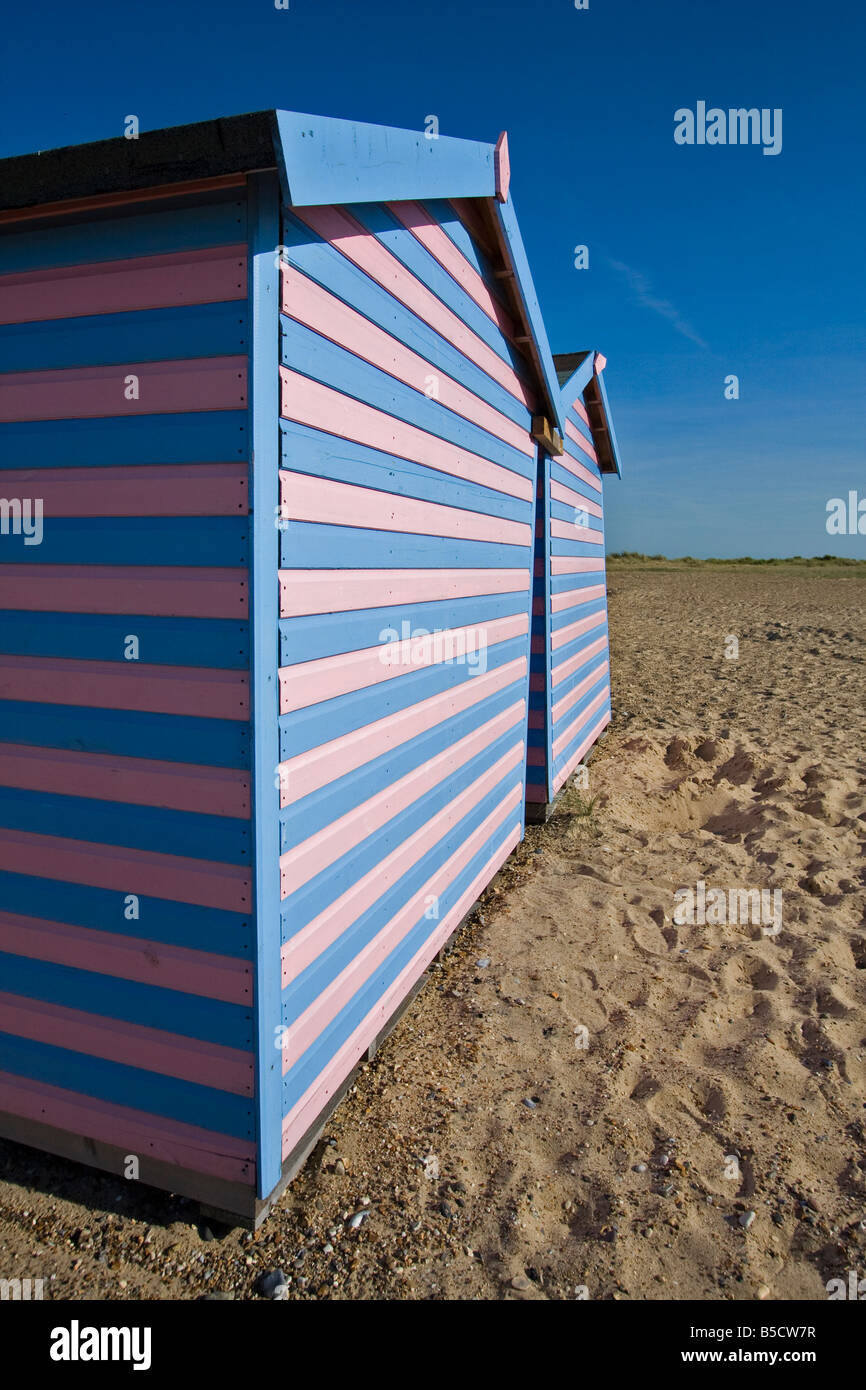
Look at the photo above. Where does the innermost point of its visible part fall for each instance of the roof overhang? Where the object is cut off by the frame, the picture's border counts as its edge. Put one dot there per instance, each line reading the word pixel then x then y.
pixel 321 160
pixel 580 374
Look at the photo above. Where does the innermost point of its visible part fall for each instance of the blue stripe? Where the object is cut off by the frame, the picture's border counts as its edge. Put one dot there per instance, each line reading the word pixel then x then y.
pixel 576 614
pixel 130 733
pixel 327 886
pixel 577 710
pixel 580 735
pixel 416 258
pixel 560 548
pixel 210 541
pixel 580 425
pixel 583 489
pixel 314 1060
pixel 302 991
pixel 572 648
pixel 443 213
pixel 335 273
pixel 565 511
pixel 561 582
pixel 129 1086
pixel 328 803
pixel 308 728
pixel 579 673
pixel 309 545
pixel 217 643
pixel 205 436
pixel 190 1015
pixel 336 367
pixel 327 634
pixel 101 909
pixel 150 230
pixel 149 335
pixel 305 450
pixel 221 839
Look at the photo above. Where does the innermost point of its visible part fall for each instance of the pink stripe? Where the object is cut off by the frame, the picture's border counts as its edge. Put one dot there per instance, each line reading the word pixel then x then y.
pixel 442 248
pixel 573 598
pixel 130 1044
pixel 299 865
pixel 536 719
pixel 566 531
pixel 314 939
pixel 322 408
pixel 80 393
pixel 536 681
pixel 566 737
pixel 574 499
pixel 113 287
pixel 336 995
pixel 536 757
pixel 134 1131
pixel 307 302
pixel 132 685
pixel 305 498
pixel 196 489
pixel 564 705
pixel 581 440
pixel 580 658
pixel 579 409
pixel 568 634
pixel 218 791
pixel 302 1114
pixel 538 643
pixel 340 591
pixel 146 590
pixel 365 251
pixel 128 958
pixel 142 872
pixel 575 564
pixel 579 471
pixel 308 771
pixel 576 757
pixel 310 682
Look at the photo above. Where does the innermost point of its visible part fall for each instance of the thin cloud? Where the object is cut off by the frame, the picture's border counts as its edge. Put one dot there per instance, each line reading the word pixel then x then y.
pixel 642 292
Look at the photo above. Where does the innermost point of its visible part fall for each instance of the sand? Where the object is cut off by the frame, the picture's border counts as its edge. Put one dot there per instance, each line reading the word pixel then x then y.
pixel 593 1099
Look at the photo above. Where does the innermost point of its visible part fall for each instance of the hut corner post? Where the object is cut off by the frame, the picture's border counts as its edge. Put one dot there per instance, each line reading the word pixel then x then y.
pixel 264 239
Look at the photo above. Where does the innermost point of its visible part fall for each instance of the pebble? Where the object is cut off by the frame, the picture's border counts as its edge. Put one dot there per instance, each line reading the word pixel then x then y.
pixel 521 1282
pixel 483 963
pixel 269 1285
pixel 746 1219
pixel 763 1291
pixel 431 1167
pixel 355 1221
pixel 530 1104
pixel 639 1168
pixel 340 1168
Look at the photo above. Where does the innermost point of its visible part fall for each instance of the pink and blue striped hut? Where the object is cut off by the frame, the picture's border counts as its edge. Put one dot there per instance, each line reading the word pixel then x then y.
pixel 569 702
pixel 277 409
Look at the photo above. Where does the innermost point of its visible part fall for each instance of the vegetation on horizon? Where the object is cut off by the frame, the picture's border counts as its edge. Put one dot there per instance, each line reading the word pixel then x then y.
pixel 638 557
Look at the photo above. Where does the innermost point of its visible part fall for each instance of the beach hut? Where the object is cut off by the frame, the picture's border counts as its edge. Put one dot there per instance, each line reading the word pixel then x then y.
pixel 569 702
pixel 273 394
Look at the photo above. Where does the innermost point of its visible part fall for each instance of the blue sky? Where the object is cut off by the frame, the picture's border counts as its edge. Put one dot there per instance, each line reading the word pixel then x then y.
pixel 704 261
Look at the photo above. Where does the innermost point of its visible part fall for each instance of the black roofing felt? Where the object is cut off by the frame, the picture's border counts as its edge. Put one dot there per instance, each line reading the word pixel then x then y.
pixel 232 145
pixel 567 363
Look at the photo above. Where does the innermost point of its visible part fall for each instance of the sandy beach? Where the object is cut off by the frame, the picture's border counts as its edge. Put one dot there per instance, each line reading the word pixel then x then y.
pixel 609 1089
